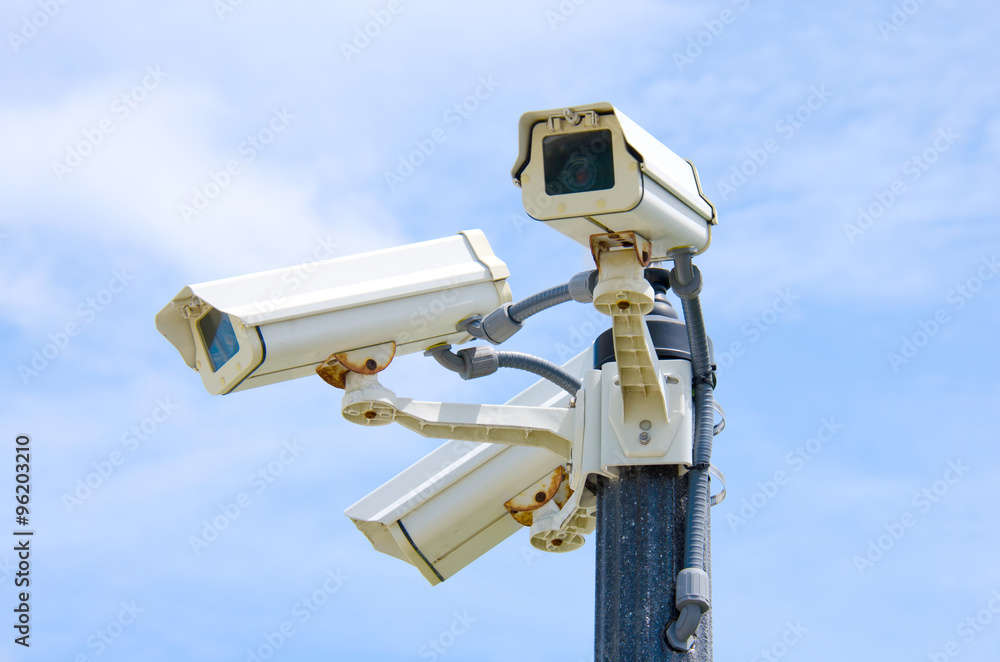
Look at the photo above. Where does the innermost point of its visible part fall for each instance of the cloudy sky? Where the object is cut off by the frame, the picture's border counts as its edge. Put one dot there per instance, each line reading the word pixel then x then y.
pixel 851 291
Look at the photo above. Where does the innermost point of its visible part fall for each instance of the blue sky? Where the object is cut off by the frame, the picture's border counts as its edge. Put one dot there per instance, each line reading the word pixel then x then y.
pixel 851 149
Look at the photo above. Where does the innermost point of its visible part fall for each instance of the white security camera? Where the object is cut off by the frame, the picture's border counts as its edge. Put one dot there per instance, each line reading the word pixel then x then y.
pixel 460 501
pixel 590 170
pixel 263 328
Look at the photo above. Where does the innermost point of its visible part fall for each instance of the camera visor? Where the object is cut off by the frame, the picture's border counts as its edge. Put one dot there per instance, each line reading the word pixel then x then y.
pixel 220 338
pixel 578 162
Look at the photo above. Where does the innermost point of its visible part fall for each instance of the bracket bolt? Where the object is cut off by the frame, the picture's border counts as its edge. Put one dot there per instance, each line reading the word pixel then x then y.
pixel 643 438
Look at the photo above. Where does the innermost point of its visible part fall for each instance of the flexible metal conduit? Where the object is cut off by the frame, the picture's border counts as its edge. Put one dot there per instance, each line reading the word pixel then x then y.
pixel 542 368
pixel 692 583
pixel 553 296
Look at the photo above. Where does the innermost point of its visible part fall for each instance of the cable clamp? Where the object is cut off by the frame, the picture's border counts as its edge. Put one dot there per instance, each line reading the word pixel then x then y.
pixel 708 378
pixel 716 499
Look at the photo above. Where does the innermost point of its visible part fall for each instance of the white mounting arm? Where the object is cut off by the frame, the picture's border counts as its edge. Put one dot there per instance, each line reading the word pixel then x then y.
pixel 367 402
pixel 631 412
pixel 623 293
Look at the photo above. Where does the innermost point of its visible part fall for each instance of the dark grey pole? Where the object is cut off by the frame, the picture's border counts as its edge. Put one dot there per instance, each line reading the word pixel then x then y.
pixel 641 520
pixel 640 549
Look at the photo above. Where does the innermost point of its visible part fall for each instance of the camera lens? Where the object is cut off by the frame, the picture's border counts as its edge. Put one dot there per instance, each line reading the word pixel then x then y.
pixel 578 162
pixel 579 174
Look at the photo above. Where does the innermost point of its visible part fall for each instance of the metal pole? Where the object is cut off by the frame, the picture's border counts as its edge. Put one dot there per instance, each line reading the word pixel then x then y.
pixel 641 519
pixel 640 549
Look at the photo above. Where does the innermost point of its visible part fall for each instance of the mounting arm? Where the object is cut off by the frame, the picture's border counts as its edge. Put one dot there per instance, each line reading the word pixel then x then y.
pixel 367 402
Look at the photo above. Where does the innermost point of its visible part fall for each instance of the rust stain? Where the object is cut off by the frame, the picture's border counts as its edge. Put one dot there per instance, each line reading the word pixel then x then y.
pixel 333 372
pixel 620 240
pixel 368 360
pixel 554 486
pixel 523 517
pixel 364 361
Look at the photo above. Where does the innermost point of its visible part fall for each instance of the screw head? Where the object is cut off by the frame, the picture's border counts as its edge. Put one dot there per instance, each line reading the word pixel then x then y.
pixel 644 438
pixel 371 364
pixel 540 497
pixel 370 414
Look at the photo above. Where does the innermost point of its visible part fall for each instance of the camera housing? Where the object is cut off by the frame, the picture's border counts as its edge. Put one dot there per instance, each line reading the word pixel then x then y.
pixel 451 507
pixel 268 327
pixel 589 169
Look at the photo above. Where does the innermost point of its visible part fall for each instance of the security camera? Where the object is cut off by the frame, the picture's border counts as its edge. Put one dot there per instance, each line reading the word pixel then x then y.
pixel 359 311
pixel 464 498
pixel 590 170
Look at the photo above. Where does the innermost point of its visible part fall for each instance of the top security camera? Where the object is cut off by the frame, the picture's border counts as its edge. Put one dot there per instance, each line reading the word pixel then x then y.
pixel 589 170
pixel 268 327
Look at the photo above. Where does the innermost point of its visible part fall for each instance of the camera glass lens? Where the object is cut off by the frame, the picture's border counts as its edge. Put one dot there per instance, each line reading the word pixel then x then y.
pixel 220 338
pixel 578 162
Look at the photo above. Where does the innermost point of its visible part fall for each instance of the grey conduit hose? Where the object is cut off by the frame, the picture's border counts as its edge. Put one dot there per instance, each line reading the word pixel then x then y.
pixel 505 321
pixel 542 368
pixel 693 596
pixel 704 431
pixel 482 360
pixel 553 296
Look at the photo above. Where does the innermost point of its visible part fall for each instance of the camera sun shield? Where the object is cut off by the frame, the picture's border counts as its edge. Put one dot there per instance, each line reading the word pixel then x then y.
pixel 589 170
pixel 272 326
pixel 583 168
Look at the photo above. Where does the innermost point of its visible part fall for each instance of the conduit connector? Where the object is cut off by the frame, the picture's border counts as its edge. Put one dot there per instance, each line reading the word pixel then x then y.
pixel 692 600
pixel 499 326
pixel 581 286
pixel 685 278
pixel 469 363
